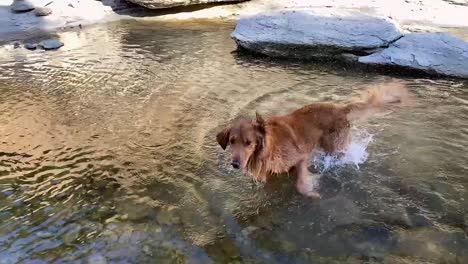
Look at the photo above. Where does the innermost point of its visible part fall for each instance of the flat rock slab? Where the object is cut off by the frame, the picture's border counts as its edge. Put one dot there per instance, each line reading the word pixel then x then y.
pixel 437 53
pixel 20 6
pixel 51 44
pixel 159 4
pixel 305 34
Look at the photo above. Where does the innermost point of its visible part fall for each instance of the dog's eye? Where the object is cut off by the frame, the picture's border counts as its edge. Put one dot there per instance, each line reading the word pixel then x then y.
pixel 231 141
pixel 248 142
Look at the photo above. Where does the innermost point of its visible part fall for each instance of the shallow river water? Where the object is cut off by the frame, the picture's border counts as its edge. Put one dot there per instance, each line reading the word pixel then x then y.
pixel 108 155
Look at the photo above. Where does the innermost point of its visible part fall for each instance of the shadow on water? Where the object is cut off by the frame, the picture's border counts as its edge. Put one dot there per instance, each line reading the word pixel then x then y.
pixel 108 153
pixel 134 10
pixel 340 65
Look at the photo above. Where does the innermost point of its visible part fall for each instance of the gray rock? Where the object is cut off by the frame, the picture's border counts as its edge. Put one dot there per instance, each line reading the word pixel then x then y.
pixel 42 11
pixel 307 34
pixel 431 52
pixel 30 46
pixel 20 6
pixel 51 44
pixel 159 4
pixel 116 5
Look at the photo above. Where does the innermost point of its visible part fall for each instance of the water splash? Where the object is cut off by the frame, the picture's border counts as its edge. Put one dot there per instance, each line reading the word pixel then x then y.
pixel 355 154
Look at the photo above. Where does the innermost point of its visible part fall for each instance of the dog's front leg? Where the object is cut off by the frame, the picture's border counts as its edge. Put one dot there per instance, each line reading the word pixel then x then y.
pixel 305 181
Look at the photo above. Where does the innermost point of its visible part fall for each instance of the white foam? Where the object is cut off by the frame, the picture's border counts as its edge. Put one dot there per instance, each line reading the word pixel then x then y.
pixel 355 154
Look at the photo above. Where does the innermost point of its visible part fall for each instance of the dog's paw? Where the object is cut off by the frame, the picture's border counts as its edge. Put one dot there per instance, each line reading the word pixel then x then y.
pixel 313 195
pixel 308 190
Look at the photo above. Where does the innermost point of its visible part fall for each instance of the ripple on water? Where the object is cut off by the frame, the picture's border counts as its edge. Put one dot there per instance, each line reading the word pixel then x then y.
pixel 108 153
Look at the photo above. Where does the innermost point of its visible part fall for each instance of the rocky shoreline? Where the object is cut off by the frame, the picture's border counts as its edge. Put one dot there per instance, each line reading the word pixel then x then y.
pixel 308 34
pixel 373 32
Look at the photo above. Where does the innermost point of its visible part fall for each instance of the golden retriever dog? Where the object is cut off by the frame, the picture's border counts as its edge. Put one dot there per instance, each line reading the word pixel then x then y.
pixel 263 148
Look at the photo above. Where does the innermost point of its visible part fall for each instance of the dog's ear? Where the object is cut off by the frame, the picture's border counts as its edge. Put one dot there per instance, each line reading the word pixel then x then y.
pixel 260 127
pixel 259 123
pixel 223 137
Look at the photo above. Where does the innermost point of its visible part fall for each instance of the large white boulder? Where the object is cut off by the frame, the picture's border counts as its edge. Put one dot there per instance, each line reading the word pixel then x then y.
pixel 309 33
pixel 431 52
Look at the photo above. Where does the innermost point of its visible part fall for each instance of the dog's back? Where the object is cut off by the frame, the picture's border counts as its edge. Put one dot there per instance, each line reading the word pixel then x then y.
pixel 327 125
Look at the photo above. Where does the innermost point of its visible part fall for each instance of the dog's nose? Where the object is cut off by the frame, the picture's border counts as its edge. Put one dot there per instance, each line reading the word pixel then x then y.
pixel 235 164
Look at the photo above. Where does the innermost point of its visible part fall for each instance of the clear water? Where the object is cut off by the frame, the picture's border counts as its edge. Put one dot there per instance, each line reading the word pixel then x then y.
pixel 108 154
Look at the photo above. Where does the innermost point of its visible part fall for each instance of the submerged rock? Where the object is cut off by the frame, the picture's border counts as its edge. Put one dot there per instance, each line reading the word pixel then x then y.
pixel 20 6
pixel 159 4
pixel 97 259
pixel 340 211
pixel 42 11
pixel 373 240
pixel 44 234
pixel 306 34
pixel 51 44
pixel 430 52
pixel 419 220
pixel 73 233
pixel 249 230
pixel 167 216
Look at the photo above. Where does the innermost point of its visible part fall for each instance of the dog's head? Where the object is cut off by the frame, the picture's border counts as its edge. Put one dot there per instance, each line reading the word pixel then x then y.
pixel 244 137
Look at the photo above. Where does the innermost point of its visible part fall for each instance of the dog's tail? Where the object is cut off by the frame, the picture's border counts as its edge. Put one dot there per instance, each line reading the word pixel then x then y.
pixel 377 97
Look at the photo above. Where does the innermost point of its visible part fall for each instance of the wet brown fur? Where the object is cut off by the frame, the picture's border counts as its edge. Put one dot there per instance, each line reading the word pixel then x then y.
pixel 264 148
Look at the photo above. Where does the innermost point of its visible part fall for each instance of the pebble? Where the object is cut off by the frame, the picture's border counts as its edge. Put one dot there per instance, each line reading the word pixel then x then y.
pixel 7 193
pixel 42 11
pixel 51 44
pixel 147 250
pixel 30 46
pixel 43 234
